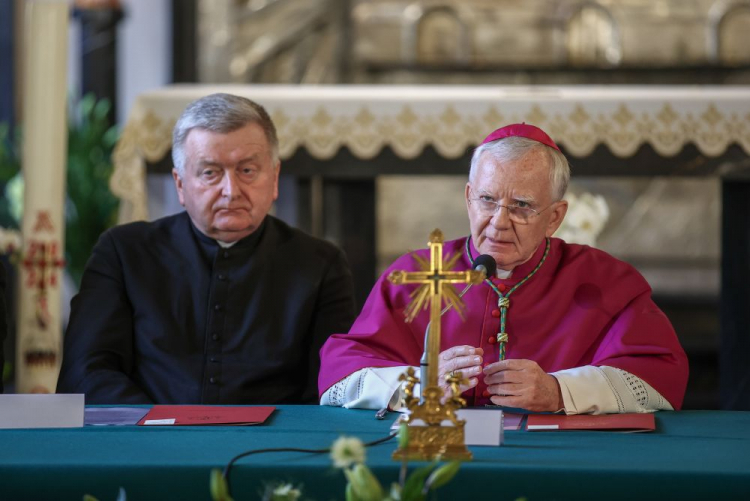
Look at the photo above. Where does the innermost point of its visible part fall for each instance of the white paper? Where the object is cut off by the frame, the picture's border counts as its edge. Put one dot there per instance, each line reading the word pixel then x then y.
pixel 483 426
pixel 41 411
pixel 158 422
pixel 542 427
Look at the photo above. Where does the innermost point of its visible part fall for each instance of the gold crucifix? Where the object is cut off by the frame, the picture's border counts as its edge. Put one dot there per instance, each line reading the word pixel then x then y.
pixel 436 278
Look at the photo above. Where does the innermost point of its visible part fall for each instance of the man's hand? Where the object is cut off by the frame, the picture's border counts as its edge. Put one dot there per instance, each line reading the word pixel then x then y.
pixel 466 359
pixel 524 385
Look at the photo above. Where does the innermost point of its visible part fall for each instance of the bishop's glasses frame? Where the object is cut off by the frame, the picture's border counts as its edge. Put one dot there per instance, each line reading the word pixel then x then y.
pixel 516 213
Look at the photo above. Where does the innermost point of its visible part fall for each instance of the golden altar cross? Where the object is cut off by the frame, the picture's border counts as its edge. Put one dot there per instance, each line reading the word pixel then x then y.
pixel 436 278
pixel 434 441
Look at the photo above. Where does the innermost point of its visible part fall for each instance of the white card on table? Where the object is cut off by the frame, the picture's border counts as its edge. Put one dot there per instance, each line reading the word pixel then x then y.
pixel 41 410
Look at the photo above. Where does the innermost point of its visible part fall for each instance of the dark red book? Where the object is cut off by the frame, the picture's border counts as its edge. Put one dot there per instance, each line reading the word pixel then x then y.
pixel 205 415
pixel 606 422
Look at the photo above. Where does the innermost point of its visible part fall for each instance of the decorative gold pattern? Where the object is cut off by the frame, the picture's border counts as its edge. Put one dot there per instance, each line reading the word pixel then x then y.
pixel 407 119
pixel 435 279
pixel 445 442
pixel 432 440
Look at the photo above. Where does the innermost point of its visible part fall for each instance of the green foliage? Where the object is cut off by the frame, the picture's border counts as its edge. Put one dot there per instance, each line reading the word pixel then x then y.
pixel 7 371
pixel 442 475
pixel 10 166
pixel 219 488
pixel 90 206
pixel 413 489
pixel 347 454
pixel 364 485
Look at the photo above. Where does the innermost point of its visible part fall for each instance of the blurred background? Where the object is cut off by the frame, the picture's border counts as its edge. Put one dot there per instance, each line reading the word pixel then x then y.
pixel 666 226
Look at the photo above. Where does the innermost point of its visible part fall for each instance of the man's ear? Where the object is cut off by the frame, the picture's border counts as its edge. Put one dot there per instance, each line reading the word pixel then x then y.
pixel 178 186
pixel 559 209
pixel 276 180
pixel 466 195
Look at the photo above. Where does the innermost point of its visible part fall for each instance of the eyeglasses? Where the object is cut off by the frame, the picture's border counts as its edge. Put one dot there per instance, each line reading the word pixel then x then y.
pixel 488 206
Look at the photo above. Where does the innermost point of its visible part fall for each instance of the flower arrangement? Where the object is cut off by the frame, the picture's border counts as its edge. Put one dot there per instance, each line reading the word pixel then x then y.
pixel 348 454
pixel 587 215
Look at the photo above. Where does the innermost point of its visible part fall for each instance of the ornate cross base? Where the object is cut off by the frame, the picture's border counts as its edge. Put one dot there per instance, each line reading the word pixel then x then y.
pixel 431 442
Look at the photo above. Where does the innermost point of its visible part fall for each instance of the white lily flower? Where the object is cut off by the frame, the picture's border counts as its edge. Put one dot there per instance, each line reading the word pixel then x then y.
pixel 346 451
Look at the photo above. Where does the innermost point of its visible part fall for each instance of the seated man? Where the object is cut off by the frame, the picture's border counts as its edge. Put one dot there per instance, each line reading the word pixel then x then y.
pixel 221 304
pixel 561 326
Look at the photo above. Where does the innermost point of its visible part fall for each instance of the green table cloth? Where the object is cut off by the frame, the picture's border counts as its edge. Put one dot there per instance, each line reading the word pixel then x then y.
pixel 692 455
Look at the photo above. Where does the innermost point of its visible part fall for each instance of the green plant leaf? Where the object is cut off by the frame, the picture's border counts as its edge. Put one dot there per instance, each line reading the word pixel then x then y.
pixel 219 488
pixel 349 492
pixel 403 436
pixel 86 105
pixel 415 482
pixel 364 484
pixel 442 475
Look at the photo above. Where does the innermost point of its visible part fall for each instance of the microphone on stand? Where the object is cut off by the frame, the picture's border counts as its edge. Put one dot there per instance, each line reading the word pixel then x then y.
pixel 485 263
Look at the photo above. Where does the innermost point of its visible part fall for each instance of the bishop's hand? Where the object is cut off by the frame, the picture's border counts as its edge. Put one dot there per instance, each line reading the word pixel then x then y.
pixel 466 359
pixel 524 385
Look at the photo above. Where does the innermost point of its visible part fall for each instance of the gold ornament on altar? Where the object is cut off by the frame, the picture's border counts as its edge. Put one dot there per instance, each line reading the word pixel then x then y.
pixel 432 440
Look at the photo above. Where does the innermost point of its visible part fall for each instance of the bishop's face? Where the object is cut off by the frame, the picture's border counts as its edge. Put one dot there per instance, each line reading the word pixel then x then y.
pixel 230 181
pixel 524 182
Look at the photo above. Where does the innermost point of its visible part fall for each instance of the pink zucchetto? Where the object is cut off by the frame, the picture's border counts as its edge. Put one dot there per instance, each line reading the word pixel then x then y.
pixel 522 130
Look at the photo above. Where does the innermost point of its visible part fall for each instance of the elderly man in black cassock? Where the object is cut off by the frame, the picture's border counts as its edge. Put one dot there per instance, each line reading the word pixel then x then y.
pixel 220 304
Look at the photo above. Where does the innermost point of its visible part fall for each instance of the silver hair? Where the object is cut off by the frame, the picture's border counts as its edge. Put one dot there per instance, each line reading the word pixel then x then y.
pixel 221 113
pixel 512 148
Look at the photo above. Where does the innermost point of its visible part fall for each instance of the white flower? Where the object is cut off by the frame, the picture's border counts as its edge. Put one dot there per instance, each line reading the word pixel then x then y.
pixel 286 492
pixel 587 215
pixel 346 451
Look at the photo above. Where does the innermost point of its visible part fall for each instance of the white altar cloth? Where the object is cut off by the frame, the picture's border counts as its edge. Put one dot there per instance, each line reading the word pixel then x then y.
pixel 365 119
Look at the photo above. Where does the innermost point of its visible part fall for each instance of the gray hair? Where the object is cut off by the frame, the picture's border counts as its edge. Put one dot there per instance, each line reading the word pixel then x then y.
pixel 512 148
pixel 222 113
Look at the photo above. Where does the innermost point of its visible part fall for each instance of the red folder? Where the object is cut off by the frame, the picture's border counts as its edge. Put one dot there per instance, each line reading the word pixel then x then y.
pixel 608 422
pixel 204 415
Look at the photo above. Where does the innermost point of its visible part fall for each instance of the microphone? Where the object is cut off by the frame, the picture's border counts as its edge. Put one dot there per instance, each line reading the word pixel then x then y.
pixel 485 263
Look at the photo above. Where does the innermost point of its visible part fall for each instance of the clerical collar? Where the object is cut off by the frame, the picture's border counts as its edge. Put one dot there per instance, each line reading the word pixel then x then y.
pixel 503 273
pixel 226 245
pixel 249 241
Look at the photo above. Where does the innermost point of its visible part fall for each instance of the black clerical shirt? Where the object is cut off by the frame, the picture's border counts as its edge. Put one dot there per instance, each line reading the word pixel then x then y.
pixel 166 315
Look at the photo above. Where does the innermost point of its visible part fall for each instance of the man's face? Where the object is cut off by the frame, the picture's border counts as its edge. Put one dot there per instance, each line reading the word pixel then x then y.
pixel 230 181
pixel 524 182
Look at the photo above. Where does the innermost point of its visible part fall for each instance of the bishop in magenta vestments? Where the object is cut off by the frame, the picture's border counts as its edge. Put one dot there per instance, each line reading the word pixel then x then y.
pixel 583 307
